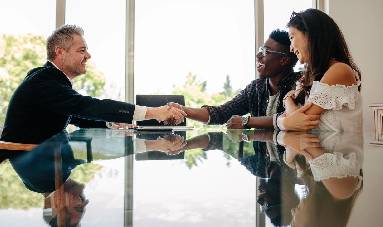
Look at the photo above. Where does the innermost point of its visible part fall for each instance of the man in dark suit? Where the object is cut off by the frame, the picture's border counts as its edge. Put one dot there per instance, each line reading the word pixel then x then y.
pixel 44 103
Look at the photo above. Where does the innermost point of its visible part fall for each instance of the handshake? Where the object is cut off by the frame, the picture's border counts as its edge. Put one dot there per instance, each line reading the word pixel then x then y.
pixel 170 114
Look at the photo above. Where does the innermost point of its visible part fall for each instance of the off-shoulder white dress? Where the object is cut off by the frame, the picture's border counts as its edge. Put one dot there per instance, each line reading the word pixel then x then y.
pixel 342 104
pixel 344 157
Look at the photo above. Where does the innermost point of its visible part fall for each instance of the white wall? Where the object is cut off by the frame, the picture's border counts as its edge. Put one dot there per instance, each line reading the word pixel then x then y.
pixel 362 24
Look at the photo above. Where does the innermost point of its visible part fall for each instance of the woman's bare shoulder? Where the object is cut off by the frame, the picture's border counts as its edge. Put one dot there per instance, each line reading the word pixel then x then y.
pixel 339 73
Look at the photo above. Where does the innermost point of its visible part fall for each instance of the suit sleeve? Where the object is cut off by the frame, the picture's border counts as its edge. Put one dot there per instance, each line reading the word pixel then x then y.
pixel 63 99
pixel 85 123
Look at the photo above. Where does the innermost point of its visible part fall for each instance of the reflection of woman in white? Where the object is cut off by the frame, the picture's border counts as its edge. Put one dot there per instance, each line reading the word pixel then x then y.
pixel 330 166
pixel 329 71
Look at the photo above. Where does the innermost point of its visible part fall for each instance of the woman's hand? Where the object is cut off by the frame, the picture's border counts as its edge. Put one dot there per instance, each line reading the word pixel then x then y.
pixel 299 121
pixel 300 142
pixel 289 103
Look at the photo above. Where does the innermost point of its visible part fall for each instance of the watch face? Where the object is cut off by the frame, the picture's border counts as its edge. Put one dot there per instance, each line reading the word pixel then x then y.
pixel 244 120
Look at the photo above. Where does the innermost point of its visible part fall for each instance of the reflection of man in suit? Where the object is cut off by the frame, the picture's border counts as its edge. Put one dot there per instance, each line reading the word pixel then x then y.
pixel 45 102
pixel 66 205
pixel 46 170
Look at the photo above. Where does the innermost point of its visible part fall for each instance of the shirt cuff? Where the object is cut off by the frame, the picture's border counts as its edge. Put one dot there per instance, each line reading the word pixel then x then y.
pixel 280 138
pixel 280 123
pixel 139 146
pixel 275 136
pixel 139 113
pixel 275 117
pixel 208 120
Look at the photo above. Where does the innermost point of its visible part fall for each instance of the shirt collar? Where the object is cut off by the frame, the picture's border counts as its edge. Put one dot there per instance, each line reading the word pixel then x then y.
pixel 70 80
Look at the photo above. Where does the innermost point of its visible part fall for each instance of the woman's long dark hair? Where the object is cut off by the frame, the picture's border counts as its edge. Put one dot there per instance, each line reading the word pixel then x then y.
pixel 326 43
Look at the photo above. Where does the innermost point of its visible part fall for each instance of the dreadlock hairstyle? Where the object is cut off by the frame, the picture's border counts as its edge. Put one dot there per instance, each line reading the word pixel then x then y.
pixel 326 43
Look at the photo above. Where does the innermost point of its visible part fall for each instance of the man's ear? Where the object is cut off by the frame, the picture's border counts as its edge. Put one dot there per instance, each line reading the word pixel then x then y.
pixel 285 60
pixel 59 51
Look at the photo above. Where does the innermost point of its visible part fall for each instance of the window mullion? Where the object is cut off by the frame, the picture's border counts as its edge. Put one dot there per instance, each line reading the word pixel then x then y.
pixel 60 13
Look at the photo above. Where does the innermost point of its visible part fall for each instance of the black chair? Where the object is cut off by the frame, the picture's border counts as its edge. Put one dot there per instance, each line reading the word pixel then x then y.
pixel 155 101
pixel 88 142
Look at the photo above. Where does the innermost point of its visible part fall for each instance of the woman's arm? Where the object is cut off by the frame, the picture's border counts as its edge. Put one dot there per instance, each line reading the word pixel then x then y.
pixel 299 120
pixel 337 74
pixel 290 105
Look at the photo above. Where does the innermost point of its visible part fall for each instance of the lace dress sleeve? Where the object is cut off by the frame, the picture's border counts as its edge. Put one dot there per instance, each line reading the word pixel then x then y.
pixel 335 165
pixel 333 97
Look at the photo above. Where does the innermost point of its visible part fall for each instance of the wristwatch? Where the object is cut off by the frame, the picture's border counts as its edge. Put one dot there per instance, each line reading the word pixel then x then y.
pixel 244 137
pixel 245 121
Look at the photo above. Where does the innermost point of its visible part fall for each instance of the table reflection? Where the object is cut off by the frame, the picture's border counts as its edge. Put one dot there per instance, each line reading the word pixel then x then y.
pixel 317 182
pixel 102 177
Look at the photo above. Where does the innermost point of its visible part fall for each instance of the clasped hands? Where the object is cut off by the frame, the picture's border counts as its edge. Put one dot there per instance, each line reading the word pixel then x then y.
pixel 171 144
pixel 176 107
pixel 168 114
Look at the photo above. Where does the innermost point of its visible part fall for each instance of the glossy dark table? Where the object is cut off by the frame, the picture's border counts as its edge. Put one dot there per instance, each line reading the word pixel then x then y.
pixel 201 177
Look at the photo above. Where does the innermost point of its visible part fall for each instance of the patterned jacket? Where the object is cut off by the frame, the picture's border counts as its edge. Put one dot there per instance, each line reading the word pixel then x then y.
pixel 253 99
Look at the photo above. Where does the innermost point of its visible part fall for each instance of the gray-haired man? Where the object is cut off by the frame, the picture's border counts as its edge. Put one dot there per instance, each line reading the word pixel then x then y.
pixel 44 103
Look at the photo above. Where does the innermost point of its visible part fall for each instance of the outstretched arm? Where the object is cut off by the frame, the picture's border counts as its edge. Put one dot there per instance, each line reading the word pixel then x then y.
pixel 238 105
pixel 165 113
pixel 237 122
pixel 197 114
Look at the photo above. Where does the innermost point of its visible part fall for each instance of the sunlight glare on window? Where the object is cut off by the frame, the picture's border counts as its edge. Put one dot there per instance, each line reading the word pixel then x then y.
pixel 181 45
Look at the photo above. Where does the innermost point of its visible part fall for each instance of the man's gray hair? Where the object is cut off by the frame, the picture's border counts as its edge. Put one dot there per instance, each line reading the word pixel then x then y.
pixel 62 37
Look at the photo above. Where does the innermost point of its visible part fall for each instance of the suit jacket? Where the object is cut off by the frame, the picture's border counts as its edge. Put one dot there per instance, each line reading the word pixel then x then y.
pixel 39 169
pixel 45 102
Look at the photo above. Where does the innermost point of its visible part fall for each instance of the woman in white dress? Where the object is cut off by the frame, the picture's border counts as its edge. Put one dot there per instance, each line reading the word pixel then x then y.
pixel 331 80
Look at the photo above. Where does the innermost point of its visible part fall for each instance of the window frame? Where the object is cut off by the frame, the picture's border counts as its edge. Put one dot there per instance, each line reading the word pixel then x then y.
pixel 130 29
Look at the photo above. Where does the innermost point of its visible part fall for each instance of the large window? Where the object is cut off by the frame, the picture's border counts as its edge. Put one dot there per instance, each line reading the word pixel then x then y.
pixel 104 26
pixel 203 49
pixel 277 14
pixel 24 26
